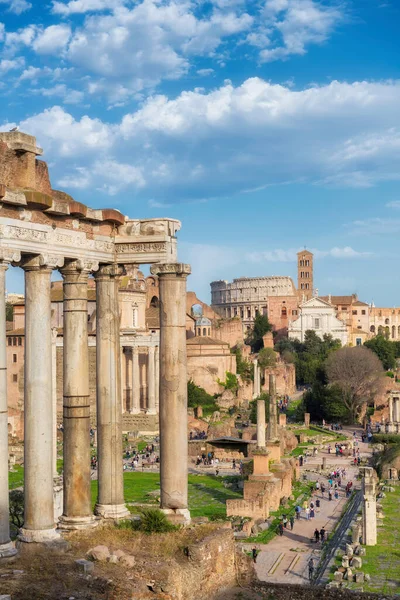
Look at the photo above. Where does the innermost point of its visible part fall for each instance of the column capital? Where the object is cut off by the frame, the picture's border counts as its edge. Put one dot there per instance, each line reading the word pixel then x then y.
pixel 180 269
pixel 107 271
pixel 74 266
pixel 8 256
pixel 41 262
pixel 151 349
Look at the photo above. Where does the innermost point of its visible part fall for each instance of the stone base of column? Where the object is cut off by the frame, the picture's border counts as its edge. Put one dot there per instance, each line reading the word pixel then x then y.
pixel 111 511
pixel 151 411
pixel 177 516
pixel 135 411
pixel 391 428
pixel 38 536
pixel 76 523
pixel 8 550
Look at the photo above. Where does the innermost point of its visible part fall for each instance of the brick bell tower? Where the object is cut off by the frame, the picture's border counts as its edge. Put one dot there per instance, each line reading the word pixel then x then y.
pixel 305 274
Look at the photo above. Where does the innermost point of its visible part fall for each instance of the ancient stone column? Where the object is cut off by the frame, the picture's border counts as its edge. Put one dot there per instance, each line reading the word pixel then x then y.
pixel 54 395
pixel 110 500
pixel 173 390
pixel 157 362
pixel 260 423
pixel 38 407
pixel 6 546
pixel 151 381
pixel 77 509
pixel 390 409
pixel 135 408
pixel 307 420
pixel 369 534
pixel 272 433
pixel 256 384
pixel 396 410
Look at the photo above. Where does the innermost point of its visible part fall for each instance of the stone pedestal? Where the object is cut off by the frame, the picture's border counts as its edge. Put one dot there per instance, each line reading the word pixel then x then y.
pixel 77 509
pixel 282 420
pixel 260 462
pixel 324 463
pixel 38 415
pixel 274 450
pixel 110 502
pixel 6 546
pixel 307 420
pixel 173 390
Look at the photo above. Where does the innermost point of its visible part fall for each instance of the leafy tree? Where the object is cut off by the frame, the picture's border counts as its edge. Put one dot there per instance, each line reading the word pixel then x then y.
pixel 253 407
pixel 197 396
pixel 325 402
pixel 9 312
pixel 384 349
pixel 267 358
pixel 244 367
pixel 357 372
pixel 261 326
pixel 16 499
pixel 231 382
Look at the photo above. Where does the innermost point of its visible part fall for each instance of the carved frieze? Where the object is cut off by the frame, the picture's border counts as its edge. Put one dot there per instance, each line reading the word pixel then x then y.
pixel 140 247
pixel 170 268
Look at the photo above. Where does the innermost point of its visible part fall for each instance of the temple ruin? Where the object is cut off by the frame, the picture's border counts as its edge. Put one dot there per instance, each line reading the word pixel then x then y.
pixel 42 230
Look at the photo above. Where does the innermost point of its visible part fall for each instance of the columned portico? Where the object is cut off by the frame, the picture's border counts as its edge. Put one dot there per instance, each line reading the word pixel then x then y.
pixel 173 390
pixel 77 513
pixel 110 501
pixel 151 381
pixel 38 422
pixel 6 546
pixel 135 381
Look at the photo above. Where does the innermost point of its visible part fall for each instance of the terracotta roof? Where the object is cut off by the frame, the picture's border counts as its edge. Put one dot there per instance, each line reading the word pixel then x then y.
pixel 205 341
pixel 16 332
pixel 339 299
pixel 359 303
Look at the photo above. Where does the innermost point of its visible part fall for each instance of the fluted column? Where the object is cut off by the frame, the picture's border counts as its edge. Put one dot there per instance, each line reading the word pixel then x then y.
pixel 396 411
pixel 135 407
pixel 173 390
pixel 54 395
pixel 110 500
pixel 77 510
pixel 272 433
pixel 151 381
pixel 6 546
pixel 390 409
pixel 38 410
pixel 260 423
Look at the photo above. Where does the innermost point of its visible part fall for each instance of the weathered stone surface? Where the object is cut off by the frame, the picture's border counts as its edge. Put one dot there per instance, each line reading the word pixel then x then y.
pixel 113 559
pixel 84 565
pixel 367 577
pixel 128 561
pixel 359 577
pixel 118 553
pixel 356 562
pixel 348 575
pixel 99 553
pixel 345 562
pixel 338 576
pixel 349 550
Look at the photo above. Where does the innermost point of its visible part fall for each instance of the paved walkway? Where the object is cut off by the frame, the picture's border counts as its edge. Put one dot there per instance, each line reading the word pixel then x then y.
pixel 285 559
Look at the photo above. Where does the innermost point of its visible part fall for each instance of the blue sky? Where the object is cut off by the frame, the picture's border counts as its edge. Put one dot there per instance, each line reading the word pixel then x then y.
pixel 264 126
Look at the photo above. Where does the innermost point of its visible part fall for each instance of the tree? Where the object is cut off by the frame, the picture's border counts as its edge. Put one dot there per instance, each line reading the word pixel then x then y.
pixel 197 396
pixel 253 407
pixel 261 326
pixel 244 367
pixel 9 312
pixel 325 402
pixel 358 373
pixel 267 358
pixel 384 349
pixel 17 507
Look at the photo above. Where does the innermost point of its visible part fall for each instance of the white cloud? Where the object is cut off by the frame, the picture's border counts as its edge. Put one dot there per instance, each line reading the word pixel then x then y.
pixel 205 72
pixel 83 6
pixel 290 255
pixel 155 204
pixel 11 65
pixel 52 39
pixel 374 226
pixel 17 6
pixel 64 136
pixel 252 136
pixel 393 204
pixel 295 25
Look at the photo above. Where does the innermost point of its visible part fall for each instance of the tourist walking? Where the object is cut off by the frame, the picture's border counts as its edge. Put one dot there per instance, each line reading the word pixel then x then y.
pixel 291 522
pixel 322 534
pixel 316 534
pixel 311 568
pixel 280 529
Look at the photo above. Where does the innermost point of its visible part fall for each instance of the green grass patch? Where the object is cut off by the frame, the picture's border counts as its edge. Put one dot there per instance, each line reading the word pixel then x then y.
pixel 207 494
pixel 16 477
pixel 382 561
